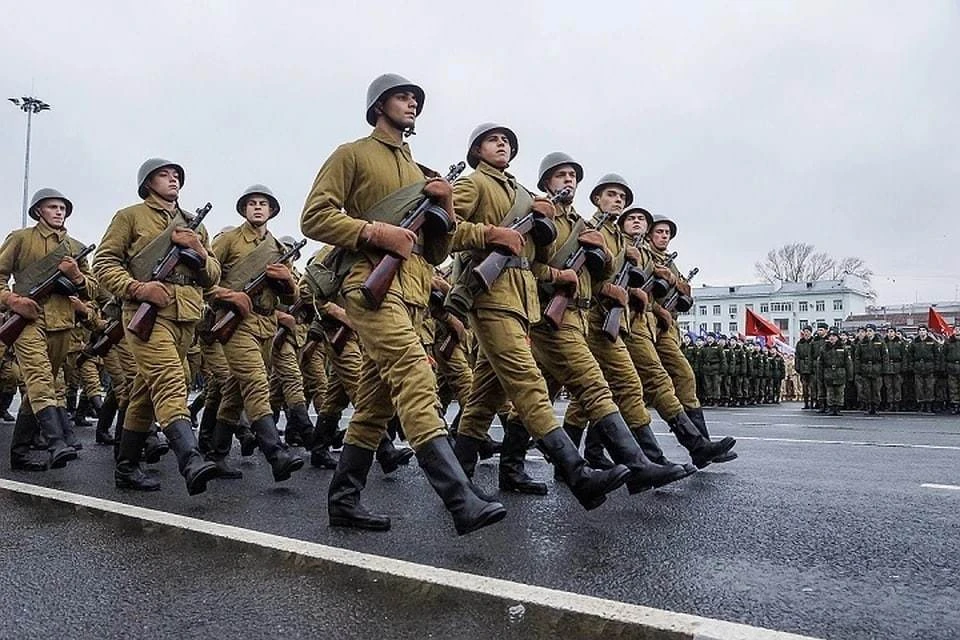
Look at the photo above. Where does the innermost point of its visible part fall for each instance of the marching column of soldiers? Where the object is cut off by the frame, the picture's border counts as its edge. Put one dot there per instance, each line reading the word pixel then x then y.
pixel 429 288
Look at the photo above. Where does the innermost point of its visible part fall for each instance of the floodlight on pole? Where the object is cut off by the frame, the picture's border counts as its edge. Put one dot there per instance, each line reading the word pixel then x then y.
pixel 29 105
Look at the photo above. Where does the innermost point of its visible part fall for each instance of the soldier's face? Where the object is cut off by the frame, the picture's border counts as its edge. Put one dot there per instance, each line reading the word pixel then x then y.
pixel 832 338
pixel 660 236
pixel 612 199
pixel 891 334
pixel 495 150
pixel 635 224
pixel 400 108
pixel 257 210
pixel 564 177
pixel 53 211
pixel 922 333
pixel 871 333
pixel 821 332
pixel 165 182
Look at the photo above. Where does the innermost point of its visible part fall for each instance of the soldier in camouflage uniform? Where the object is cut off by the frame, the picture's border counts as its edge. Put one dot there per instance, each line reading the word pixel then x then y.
pixel 835 369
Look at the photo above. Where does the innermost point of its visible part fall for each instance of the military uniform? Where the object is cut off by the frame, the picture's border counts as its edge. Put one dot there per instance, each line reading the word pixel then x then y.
pixel 892 374
pixel 711 360
pixel 803 363
pixel 871 359
pixel 951 364
pixel 924 355
pixel 835 369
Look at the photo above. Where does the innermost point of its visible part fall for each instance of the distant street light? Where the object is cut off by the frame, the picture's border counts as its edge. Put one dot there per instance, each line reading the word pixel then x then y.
pixel 29 106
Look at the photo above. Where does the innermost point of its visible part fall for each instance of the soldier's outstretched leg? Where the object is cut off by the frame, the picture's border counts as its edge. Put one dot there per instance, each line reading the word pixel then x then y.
pixel 128 473
pixel 20 441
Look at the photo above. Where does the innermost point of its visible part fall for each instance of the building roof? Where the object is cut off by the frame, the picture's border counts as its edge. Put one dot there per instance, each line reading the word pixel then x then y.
pixel 848 285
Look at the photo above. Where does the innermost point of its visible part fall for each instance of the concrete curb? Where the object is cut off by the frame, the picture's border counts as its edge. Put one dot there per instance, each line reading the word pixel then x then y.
pixel 542 612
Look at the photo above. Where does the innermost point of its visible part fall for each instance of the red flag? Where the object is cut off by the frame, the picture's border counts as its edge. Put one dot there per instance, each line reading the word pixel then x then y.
pixel 938 324
pixel 757 325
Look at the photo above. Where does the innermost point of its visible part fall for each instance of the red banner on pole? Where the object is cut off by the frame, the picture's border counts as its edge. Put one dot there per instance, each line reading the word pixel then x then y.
pixel 757 325
pixel 938 324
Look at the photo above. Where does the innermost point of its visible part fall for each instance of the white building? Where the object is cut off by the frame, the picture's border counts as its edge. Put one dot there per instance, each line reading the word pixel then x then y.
pixel 789 305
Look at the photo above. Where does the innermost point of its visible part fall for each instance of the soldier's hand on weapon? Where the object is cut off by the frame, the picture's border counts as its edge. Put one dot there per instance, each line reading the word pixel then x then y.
pixel 504 238
pixel 633 254
pixel 615 293
pixel 456 325
pixel 287 320
pixel 68 266
pixel 337 313
pixel 23 306
pixel 565 278
pixel 592 238
pixel 238 299
pixel 281 273
pixel 153 292
pixel 188 239
pixel 683 287
pixel 664 319
pixel 390 238
pixel 640 296
pixel 440 284
pixel 440 190
pixel 544 207
pixel 80 308
pixel 665 274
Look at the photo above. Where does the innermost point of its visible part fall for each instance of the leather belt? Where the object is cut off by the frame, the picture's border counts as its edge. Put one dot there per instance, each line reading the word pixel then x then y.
pixel 181 279
pixel 580 303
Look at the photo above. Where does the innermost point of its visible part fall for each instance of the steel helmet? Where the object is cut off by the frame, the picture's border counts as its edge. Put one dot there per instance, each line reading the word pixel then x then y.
pixel 262 190
pixel 151 165
pixel 553 160
pixel 387 83
pixel 484 129
pixel 47 194
pixel 613 179
pixel 646 214
pixel 664 219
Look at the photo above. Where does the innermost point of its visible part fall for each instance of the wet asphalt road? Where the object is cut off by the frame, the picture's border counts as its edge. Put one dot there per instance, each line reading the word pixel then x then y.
pixel 822 527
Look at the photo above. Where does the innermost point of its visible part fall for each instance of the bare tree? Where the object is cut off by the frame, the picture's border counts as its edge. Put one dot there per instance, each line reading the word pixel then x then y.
pixel 800 262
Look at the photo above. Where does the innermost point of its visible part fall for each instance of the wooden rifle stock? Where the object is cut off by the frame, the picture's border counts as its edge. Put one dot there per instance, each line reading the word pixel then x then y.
pixel 145 317
pixel 377 284
pixel 677 301
pixel 101 342
pixel 15 324
pixel 451 339
pixel 226 325
pixel 283 331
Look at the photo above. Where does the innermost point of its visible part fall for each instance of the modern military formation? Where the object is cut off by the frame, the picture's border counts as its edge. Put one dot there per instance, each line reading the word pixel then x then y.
pixel 428 288
pixel 735 372
pixel 878 370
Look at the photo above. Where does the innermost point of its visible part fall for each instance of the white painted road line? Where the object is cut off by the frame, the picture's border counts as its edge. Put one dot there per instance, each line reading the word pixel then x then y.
pixel 948 487
pixel 855 443
pixel 647 619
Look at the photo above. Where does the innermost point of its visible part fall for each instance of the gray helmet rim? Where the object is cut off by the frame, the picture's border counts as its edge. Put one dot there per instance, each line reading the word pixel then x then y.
pixel 554 161
pixel 483 130
pixel 47 193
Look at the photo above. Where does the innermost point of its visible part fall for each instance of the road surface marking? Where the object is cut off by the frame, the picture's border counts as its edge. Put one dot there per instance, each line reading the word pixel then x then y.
pixel 948 487
pixel 855 443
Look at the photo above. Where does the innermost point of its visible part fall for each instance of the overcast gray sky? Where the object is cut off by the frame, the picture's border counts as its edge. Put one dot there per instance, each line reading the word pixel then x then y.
pixel 752 123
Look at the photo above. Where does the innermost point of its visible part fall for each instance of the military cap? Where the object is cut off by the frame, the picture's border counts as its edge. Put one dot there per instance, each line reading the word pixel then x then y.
pixel 806 327
pixel 711 334
pixel 259 189
pixel 47 194
pixel 921 326
pixel 822 325
pixel 554 160
pixel 484 129
pixel 613 179
pixel 871 326
pixel 833 332
pixel 389 83
pixel 155 164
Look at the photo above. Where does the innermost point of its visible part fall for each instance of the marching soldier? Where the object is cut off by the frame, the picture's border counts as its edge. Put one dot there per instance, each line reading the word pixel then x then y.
pixel 31 255
pixel 924 354
pixel 242 253
pixel 357 202
pixel 139 237
pixel 9 379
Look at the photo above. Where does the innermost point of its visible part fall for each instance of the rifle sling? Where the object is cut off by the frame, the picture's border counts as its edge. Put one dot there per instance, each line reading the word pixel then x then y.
pixel 142 264
pixel 35 273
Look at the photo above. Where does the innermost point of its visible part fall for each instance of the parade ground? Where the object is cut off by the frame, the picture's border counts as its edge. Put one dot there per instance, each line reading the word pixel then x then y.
pixel 826 527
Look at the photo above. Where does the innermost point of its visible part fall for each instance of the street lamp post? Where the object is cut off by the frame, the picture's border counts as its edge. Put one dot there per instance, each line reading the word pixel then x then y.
pixel 29 105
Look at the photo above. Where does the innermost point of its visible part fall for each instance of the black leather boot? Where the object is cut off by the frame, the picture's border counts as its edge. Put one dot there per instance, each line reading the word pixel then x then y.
pixel 593 451
pixel 391 457
pixel 248 441
pixel 156 446
pixel 80 413
pixel 589 486
pixel 697 418
pixel 50 420
pixel 446 476
pixel 208 424
pixel 467 452
pixel 702 451
pixel 195 470
pixel 299 427
pixel 107 415
pixel 343 498
pixel 281 460
pixel 20 442
pixel 644 474
pixel 195 406
pixel 512 475
pixel 66 423
pixel 651 448
pixel 221 441
pixel 575 434
pixel 489 448
pixel 71 398
pixel 121 417
pixel 96 404
pixel 6 399
pixel 322 434
pixel 128 474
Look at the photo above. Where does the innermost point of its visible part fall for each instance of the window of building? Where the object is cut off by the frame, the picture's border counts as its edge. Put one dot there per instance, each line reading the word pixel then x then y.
pixel 804 323
pixel 733 308
pixel 837 322
pixel 838 305
pixel 733 327
pixel 820 305
pixel 703 327
pixel 764 307
pixel 717 327
pixel 716 309
pixel 783 324
pixel 803 306
pixel 685 326
pixel 703 309
pixel 818 321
